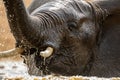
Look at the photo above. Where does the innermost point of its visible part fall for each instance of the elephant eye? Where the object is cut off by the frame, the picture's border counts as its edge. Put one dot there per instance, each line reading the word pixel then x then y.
pixel 72 25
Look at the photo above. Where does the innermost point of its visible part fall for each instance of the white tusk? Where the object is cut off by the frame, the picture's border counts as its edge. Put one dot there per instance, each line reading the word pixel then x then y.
pixel 11 52
pixel 48 52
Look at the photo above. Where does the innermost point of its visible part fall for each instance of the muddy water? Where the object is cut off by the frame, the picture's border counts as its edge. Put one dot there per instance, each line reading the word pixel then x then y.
pixel 12 67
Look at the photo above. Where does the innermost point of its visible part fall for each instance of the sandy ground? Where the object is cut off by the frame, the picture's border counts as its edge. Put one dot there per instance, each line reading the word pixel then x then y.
pixel 6 38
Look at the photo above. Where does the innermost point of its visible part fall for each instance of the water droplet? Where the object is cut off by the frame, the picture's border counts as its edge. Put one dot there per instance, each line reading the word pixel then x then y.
pixel 44 60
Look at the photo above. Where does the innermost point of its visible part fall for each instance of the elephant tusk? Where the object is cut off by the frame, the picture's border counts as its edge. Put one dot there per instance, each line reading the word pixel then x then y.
pixel 48 52
pixel 12 52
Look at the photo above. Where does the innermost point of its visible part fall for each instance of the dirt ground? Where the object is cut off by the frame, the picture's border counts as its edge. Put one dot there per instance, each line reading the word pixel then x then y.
pixel 6 38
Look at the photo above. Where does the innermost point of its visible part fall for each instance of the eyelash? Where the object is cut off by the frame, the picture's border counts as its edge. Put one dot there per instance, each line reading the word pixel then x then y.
pixel 72 25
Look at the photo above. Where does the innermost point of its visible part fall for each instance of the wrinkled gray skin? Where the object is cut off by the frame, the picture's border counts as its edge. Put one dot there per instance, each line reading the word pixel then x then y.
pixel 35 4
pixel 84 35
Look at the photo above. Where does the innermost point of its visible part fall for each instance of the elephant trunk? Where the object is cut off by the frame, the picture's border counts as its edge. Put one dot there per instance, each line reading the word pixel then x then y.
pixel 21 23
pixel 16 15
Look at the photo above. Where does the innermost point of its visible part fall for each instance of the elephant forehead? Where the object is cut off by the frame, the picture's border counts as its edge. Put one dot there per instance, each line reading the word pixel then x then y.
pixel 71 9
pixel 51 6
pixel 60 4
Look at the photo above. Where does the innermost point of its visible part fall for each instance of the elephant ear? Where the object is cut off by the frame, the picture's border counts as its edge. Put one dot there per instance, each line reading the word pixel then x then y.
pixel 107 53
pixel 111 6
pixel 36 4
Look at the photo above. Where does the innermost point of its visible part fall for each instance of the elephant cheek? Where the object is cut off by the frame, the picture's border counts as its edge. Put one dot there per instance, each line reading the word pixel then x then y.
pixel 59 68
pixel 67 70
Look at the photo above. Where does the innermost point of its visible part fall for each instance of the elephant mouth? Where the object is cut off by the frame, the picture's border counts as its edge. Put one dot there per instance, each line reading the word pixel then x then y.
pixel 49 61
pixel 55 63
pixel 43 59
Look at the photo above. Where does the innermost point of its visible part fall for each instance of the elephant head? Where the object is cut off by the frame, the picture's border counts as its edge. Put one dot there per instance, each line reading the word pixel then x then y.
pixel 61 35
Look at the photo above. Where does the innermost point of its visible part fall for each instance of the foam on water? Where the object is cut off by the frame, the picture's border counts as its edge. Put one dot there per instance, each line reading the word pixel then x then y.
pixel 13 68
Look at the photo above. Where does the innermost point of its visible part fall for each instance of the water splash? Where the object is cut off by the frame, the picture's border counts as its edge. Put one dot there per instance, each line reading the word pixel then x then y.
pixel 13 68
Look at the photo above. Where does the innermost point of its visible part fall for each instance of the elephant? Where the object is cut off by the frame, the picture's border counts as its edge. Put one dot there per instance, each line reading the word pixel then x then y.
pixel 67 37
